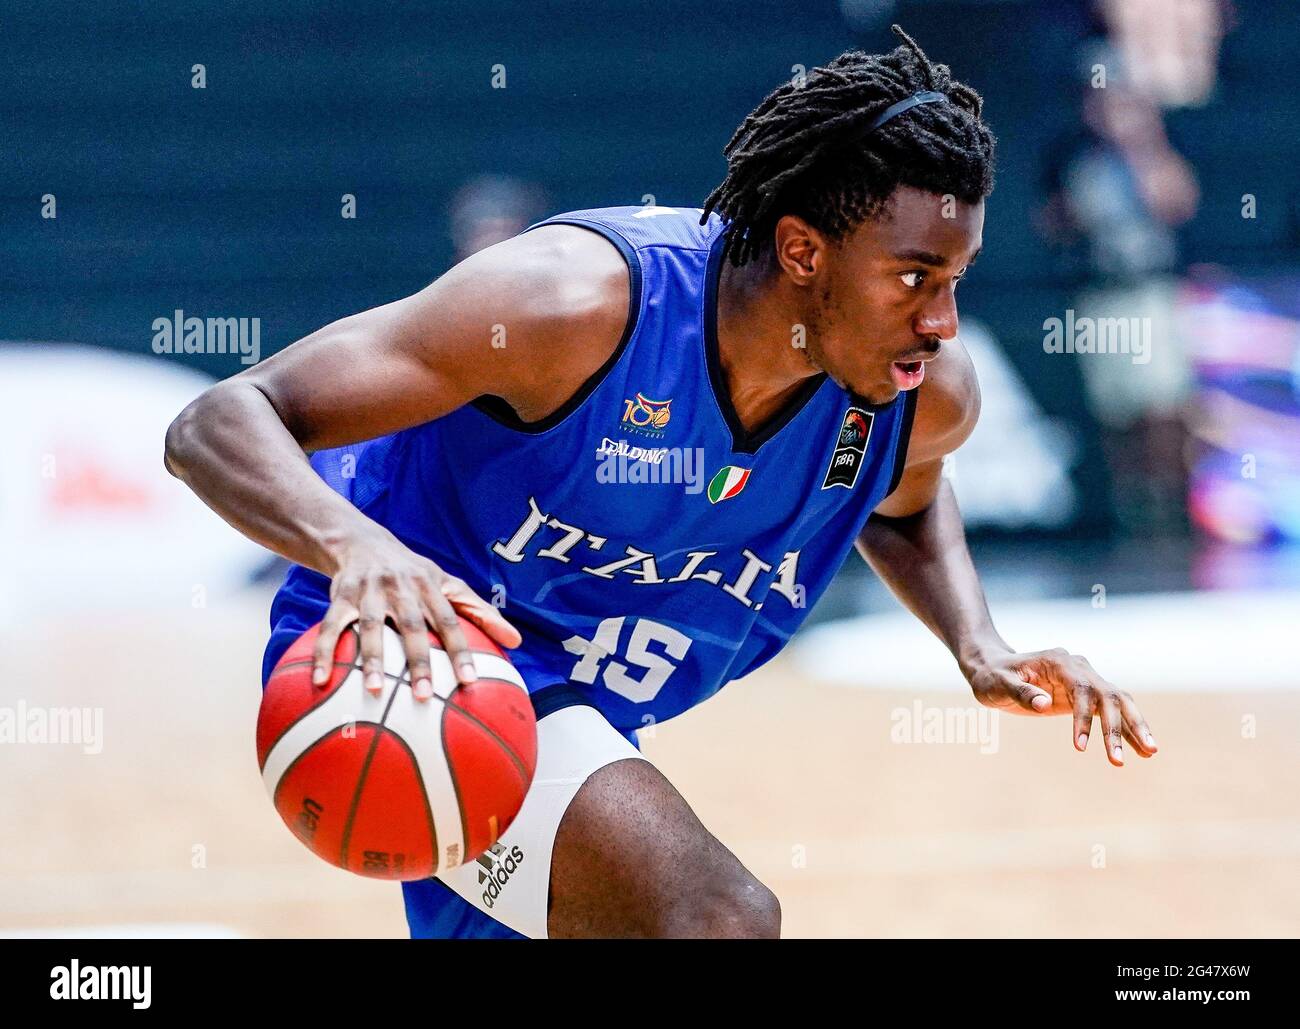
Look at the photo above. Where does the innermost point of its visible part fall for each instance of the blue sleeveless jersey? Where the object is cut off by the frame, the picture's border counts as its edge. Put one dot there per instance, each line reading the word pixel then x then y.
pixel 646 548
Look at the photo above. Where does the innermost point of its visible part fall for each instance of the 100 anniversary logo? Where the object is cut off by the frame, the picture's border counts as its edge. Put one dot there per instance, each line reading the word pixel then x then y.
pixel 645 417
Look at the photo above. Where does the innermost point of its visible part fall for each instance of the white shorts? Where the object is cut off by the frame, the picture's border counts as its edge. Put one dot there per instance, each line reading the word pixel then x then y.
pixel 511 883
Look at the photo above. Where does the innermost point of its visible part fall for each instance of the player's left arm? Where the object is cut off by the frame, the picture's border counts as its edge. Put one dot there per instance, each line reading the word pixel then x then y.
pixel 916 543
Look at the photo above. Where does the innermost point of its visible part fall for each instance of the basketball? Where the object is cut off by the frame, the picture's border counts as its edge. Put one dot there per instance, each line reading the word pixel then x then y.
pixel 387 786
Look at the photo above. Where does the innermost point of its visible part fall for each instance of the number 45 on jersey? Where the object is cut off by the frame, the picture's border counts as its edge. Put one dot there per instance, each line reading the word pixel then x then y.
pixel 597 657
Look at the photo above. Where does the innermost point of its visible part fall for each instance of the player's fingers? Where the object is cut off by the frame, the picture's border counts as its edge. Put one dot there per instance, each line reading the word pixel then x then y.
pixel 487 617
pixel 371 624
pixel 341 612
pixel 1112 723
pixel 1025 694
pixel 1141 737
pixel 1137 744
pixel 447 626
pixel 1084 699
pixel 408 612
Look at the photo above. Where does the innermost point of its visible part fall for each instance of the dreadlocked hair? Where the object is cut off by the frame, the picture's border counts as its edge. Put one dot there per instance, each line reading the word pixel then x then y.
pixel 805 149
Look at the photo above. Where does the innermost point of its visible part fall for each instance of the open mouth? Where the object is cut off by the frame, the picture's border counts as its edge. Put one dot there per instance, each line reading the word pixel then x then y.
pixel 907 374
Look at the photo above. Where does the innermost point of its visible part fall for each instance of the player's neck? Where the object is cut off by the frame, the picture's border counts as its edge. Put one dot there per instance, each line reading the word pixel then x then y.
pixel 760 344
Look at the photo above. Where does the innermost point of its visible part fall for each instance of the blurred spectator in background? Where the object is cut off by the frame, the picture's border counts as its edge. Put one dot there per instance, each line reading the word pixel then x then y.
pixel 490 208
pixel 1118 190
pixel 1170 47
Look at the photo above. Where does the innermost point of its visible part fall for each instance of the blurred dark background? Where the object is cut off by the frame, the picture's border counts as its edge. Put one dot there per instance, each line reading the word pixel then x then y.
pixel 225 200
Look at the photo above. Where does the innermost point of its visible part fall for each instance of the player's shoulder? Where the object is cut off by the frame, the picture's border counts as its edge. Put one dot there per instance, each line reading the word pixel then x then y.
pixel 947 405
pixel 581 271
pixel 635 228
pixel 558 276
pixel 570 286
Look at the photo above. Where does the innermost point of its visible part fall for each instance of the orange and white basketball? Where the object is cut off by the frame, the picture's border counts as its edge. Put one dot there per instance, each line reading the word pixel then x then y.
pixel 387 786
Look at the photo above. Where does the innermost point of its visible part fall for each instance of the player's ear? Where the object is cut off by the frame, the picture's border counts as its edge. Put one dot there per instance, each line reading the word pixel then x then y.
pixel 800 248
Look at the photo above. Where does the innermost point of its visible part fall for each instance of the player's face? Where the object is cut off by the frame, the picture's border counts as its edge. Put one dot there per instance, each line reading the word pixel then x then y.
pixel 890 297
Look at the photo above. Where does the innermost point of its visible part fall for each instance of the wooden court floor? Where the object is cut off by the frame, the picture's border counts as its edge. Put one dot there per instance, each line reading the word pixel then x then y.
pixel 858 834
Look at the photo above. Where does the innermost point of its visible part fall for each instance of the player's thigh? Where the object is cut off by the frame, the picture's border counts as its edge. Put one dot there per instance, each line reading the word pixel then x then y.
pixel 510 884
pixel 604 846
pixel 632 859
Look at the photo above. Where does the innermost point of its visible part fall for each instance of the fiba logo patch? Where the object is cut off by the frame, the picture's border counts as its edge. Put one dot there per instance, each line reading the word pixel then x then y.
pixel 496 868
pixel 644 416
pixel 850 448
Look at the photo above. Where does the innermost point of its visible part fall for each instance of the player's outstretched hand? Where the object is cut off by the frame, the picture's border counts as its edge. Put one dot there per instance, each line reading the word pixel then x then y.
pixel 1054 682
pixel 380 577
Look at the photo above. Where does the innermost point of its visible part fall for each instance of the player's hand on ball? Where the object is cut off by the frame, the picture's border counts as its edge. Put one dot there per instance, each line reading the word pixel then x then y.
pixel 379 577
pixel 1054 682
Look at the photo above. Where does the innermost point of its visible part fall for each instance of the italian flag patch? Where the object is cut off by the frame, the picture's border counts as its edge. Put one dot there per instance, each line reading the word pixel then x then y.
pixel 729 481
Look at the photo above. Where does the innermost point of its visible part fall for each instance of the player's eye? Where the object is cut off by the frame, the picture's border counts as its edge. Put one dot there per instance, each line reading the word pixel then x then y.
pixel 912 280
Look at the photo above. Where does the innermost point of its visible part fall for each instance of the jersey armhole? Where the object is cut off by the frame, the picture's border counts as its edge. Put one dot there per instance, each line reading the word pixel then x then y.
pixel 904 435
pixel 499 411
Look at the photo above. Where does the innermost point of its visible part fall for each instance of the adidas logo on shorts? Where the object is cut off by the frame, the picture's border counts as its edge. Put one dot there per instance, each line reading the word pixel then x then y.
pixel 496 870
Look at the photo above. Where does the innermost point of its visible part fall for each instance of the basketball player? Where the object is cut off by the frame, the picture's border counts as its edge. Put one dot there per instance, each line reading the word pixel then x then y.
pixel 796 338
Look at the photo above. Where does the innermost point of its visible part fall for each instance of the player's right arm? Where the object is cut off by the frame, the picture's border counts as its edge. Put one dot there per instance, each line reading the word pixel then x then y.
pixel 557 298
